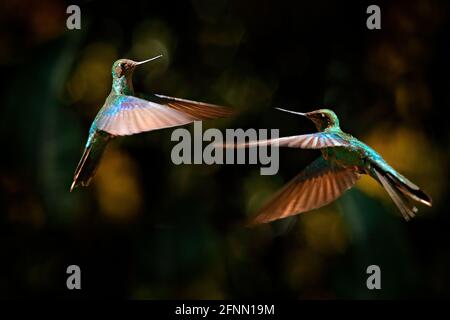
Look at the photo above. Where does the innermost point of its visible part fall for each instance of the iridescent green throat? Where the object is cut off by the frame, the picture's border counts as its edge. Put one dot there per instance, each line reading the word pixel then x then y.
pixel 122 85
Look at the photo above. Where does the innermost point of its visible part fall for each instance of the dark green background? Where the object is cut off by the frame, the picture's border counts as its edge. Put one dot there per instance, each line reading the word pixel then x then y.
pixel 146 228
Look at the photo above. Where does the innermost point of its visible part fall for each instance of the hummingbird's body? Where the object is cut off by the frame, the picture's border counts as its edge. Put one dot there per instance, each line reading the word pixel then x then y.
pixel 123 114
pixel 344 158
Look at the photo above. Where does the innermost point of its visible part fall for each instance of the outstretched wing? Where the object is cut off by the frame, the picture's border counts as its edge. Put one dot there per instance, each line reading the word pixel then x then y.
pixel 316 140
pixel 129 115
pixel 199 110
pixel 317 185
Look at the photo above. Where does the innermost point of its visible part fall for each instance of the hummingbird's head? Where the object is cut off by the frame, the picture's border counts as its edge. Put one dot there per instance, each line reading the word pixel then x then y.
pixel 125 67
pixel 322 118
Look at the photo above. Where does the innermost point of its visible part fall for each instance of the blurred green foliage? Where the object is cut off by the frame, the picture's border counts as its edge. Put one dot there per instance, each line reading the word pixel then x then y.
pixel 148 229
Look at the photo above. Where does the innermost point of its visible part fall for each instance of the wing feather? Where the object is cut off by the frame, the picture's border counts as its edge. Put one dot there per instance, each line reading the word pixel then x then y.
pixel 199 110
pixel 130 115
pixel 316 186
pixel 316 140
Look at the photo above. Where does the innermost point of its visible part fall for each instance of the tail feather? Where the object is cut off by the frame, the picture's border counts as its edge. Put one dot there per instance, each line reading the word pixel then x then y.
pixel 89 161
pixel 400 189
pixel 400 182
pixel 407 210
pixel 411 190
pixel 83 172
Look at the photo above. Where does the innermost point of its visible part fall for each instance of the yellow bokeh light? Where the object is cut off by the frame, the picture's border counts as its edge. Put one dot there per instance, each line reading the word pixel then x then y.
pixel 116 183
pixel 410 153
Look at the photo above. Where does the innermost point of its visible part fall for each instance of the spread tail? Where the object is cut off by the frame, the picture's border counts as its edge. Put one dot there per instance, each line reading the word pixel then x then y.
pixel 410 189
pixel 401 190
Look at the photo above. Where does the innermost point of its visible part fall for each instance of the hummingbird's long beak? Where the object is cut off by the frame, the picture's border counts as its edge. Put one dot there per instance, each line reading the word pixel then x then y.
pixel 299 113
pixel 145 61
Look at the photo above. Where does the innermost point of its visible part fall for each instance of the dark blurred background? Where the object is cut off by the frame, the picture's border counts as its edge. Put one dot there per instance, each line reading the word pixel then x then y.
pixel 147 229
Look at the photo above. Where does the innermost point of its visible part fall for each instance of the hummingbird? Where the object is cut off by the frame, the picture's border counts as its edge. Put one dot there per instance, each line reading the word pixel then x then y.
pixel 124 114
pixel 343 160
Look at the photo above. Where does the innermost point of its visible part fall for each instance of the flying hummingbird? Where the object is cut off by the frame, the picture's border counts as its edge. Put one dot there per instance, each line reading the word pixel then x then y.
pixel 123 114
pixel 344 158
